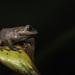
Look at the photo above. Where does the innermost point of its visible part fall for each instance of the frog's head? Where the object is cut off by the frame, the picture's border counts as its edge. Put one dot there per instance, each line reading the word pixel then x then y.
pixel 27 31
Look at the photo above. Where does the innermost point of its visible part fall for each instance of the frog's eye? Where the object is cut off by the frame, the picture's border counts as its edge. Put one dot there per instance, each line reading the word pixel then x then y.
pixel 29 28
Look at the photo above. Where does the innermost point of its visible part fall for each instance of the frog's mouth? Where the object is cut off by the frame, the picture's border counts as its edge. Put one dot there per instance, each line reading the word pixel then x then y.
pixel 28 33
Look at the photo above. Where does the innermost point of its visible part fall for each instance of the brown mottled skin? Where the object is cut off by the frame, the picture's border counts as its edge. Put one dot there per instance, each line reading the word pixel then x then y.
pixel 10 36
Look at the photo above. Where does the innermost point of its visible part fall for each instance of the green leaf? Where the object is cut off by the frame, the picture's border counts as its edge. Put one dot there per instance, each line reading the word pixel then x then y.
pixel 18 62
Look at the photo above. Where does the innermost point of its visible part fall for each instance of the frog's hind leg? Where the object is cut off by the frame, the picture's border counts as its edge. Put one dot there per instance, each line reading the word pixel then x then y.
pixel 16 49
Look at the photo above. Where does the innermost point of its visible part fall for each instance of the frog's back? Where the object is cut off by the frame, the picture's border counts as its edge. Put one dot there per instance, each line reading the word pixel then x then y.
pixel 5 32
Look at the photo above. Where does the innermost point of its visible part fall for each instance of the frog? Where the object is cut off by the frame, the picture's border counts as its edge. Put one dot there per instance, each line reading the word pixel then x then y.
pixel 10 36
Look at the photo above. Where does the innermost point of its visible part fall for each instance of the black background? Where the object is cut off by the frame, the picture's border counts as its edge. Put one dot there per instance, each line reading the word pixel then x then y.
pixel 55 22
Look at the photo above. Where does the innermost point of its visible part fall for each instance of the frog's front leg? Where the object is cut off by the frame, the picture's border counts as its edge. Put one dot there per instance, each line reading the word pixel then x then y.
pixel 1 47
pixel 10 44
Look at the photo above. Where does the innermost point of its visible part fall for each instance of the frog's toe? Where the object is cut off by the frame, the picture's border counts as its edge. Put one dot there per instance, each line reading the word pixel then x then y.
pixel 16 49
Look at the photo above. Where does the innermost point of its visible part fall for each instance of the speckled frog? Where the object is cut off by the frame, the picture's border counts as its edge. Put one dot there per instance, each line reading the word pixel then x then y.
pixel 10 36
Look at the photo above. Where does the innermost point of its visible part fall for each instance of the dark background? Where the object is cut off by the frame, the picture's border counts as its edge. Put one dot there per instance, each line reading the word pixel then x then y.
pixel 55 22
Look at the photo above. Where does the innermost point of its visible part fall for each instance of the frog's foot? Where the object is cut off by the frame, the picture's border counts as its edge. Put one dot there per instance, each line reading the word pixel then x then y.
pixel 14 49
pixel 3 48
pixel 17 49
pixel 26 45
